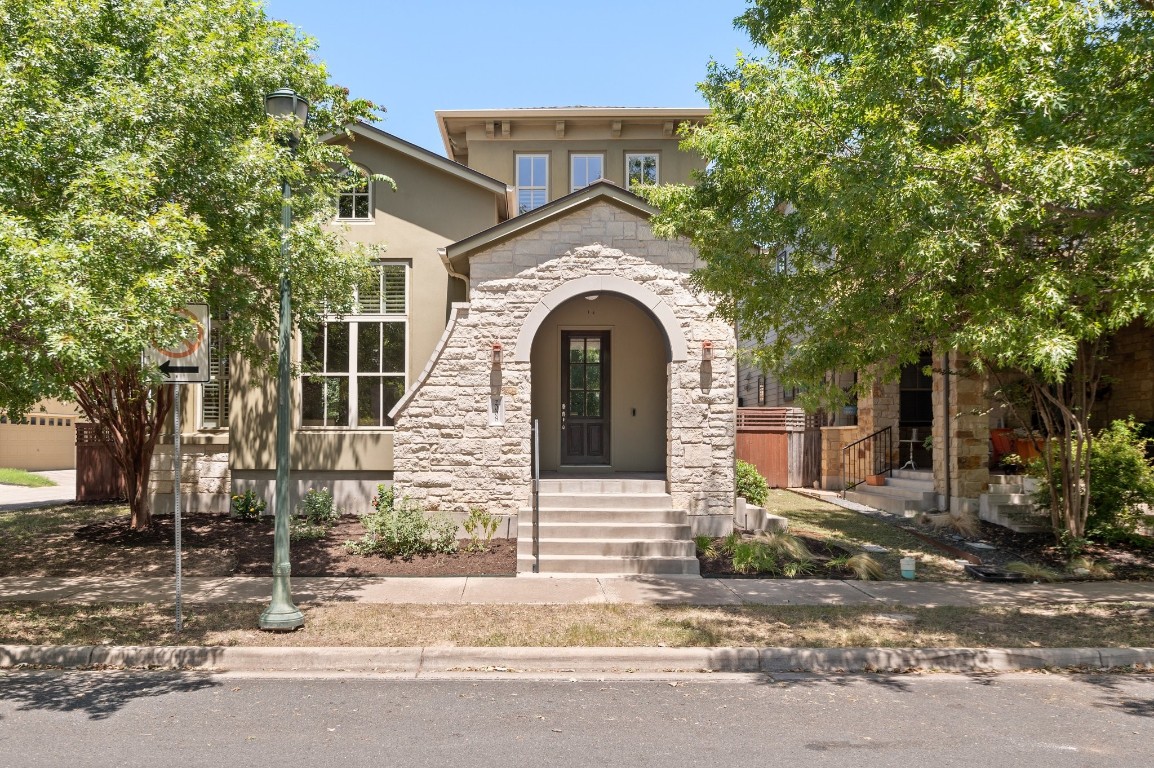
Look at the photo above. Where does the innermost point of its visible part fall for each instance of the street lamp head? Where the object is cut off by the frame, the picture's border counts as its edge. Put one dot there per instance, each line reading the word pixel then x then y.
pixel 287 103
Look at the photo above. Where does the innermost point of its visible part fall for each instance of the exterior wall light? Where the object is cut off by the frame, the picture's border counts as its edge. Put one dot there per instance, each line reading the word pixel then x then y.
pixel 707 351
pixel 497 354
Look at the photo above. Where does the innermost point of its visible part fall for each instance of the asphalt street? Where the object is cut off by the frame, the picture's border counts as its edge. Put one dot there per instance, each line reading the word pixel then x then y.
pixel 98 719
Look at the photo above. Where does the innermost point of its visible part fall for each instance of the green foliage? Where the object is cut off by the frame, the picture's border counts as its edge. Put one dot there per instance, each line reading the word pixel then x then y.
pixel 139 172
pixel 400 528
pixel 753 556
pixel 1121 482
pixel 315 517
pixel 248 506
pixel 706 547
pixel 750 484
pixel 893 177
pixel 480 525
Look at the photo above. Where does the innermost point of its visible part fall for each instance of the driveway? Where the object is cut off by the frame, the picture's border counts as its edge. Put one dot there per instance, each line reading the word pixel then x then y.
pixel 19 497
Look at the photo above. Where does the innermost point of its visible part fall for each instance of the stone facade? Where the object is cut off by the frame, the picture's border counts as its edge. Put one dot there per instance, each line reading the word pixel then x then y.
pixel 968 433
pixel 205 478
pixel 452 452
pixel 1129 373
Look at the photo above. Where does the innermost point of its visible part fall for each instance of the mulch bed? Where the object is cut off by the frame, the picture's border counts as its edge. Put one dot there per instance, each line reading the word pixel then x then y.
pixel 222 546
pixel 722 567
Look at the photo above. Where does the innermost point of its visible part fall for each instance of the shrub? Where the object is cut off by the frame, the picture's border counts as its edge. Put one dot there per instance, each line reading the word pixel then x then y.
pixel 317 508
pixel 753 556
pixel 480 525
pixel 865 567
pixel 1121 481
pixel 401 528
pixel 750 484
pixel 248 506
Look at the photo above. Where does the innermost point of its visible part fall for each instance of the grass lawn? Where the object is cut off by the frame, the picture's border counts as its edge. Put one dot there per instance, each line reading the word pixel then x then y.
pixel 1076 625
pixel 20 477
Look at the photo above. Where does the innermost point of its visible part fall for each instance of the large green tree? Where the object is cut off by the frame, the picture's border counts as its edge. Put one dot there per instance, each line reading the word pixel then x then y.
pixel 975 175
pixel 139 172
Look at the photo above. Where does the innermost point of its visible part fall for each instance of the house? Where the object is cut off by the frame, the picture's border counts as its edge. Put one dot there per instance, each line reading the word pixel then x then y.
pixel 523 308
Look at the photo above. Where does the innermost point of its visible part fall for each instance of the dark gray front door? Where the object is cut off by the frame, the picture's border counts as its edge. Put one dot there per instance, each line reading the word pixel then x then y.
pixel 585 397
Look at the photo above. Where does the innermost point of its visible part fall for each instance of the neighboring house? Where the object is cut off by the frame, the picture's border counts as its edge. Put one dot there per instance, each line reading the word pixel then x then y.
pixel 521 284
pixel 44 439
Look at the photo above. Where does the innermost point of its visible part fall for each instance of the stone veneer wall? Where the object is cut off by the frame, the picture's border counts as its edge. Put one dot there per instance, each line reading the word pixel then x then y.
pixel 205 478
pixel 1129 369
pixel 968 433
pixel 449 456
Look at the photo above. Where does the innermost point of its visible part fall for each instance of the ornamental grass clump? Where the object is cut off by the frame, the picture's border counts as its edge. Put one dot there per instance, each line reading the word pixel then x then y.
pixel 401 528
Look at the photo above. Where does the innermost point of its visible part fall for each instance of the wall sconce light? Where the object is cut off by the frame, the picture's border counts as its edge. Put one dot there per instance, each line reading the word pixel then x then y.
pixel 707 351
pixel 496 354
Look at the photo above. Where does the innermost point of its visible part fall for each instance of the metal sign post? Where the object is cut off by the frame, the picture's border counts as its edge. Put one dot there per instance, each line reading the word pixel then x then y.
pixel 184 363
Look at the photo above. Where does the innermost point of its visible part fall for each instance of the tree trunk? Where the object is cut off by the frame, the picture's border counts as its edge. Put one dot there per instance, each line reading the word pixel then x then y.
pixel 132 413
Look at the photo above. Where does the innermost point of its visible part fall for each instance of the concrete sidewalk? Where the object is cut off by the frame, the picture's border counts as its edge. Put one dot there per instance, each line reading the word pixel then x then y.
pixel 19 497
pixel 650 590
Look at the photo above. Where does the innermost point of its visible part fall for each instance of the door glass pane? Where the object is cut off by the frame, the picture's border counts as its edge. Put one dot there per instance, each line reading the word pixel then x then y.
pixel 593 351
pixel 593 378
pixel 368 347
pixel 593 404
pixel 337 352
pixel 576 350
pixel 576 404
pixel 576 376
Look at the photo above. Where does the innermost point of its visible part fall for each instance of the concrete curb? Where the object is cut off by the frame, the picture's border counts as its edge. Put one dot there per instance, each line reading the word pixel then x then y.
pixel 419 662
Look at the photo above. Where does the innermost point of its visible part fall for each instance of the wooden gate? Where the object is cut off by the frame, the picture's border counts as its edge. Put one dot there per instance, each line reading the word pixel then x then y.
pixel 98 478
pixel 783 443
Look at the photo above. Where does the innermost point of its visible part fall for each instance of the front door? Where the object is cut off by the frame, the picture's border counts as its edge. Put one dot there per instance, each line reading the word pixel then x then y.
pixel 585 397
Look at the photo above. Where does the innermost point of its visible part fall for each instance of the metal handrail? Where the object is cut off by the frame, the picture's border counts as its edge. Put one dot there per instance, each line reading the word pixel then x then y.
pixel 874 451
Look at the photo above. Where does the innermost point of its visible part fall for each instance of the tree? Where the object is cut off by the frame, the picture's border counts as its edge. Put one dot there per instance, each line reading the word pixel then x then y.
pixel 139 172
pixel 971 175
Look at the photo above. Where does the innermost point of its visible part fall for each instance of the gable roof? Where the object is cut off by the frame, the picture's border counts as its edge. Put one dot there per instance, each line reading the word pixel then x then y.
pixel 502 190
pixel 456 256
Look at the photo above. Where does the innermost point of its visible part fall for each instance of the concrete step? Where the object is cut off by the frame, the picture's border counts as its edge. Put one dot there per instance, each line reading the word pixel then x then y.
pixel 1021 518
pixel 897 502
pixel 605 501
pixel 606 515
pixel 611 547
pixel 599 485
pixel 577 564
pixel 910 484
pixel 988 503
pixel 924 475
pixel 626 531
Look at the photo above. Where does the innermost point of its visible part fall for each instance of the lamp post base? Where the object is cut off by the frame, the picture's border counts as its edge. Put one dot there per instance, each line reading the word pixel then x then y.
pixel 282 620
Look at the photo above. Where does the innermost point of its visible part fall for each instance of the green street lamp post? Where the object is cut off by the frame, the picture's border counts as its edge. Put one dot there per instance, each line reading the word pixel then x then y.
pixel 281 613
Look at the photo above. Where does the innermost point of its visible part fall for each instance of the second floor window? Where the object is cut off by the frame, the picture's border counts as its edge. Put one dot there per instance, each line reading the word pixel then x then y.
pixel 641 169
pixel 584 170
pixel 353 367
pixel 214 394
pixel 354 203
pixel 532 182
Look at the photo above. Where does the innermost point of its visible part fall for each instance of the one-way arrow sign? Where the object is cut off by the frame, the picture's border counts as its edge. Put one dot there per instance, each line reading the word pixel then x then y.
pixel 187 361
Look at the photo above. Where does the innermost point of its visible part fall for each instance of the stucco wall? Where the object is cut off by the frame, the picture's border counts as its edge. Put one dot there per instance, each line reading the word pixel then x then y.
pixel 449 455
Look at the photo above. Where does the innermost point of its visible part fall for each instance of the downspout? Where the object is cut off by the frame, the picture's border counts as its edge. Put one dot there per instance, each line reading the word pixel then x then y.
pixel 946 441
pixel 442 252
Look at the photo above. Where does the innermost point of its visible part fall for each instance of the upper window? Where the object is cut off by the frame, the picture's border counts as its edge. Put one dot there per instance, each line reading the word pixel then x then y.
pixel 584 170
pixel 532 182
pixel 641 169
pixel 354 203
pixel 214 394
pixel 353 366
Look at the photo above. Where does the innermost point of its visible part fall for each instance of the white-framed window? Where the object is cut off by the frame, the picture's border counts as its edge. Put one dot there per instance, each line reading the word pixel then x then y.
pixel 641 168
pixel 355 200
pixel 584 169
pixel 532 182
pixel 214 395
pixel 353 368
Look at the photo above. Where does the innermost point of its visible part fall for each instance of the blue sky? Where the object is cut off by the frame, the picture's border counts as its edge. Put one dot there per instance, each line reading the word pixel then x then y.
pixel 418 56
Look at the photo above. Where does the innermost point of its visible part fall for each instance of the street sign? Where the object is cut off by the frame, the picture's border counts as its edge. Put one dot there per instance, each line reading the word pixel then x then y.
pixel 186 362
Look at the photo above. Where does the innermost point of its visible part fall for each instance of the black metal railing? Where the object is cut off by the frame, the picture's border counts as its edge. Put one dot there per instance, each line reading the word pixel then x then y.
pixel 871 455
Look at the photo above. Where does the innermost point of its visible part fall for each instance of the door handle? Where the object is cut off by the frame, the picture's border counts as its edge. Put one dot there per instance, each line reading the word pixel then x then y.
pixel 562 416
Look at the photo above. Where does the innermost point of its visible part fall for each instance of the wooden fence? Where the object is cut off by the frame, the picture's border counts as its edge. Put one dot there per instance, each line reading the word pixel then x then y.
pixel 783 443
pixel 98 478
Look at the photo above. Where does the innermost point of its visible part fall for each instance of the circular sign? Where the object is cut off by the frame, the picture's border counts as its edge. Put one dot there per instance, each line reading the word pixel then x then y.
pixel 190 345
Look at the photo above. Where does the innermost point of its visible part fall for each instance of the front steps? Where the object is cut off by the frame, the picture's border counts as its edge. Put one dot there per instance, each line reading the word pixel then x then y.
pixel 905 494
pixel 1010 504
pixel 607 526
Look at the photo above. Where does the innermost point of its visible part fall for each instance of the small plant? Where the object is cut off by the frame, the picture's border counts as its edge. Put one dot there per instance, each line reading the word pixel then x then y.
pixel 729 543
pixel 318 509
pixel 480 525
pixel 865 567
pixel 964 523
pixel 248 506
pixel 785 545
pixel 796 568
pixel 1084 567
pixel 300 529
pixel 707 547
pixel 750 484
pixel 753 556
pixel 401 528
pixel 1033 572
